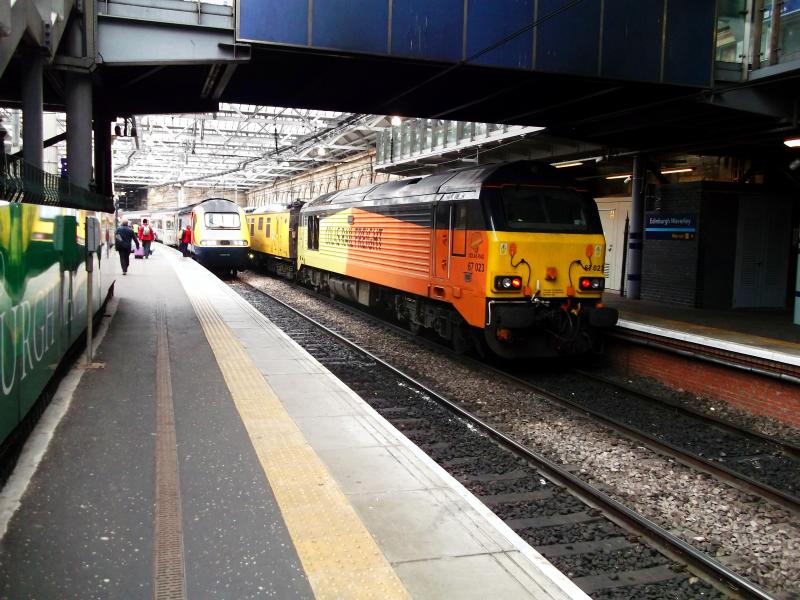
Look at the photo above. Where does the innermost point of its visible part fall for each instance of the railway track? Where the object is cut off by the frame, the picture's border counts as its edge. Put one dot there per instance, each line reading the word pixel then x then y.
pixel 593 538
pixel 751 461
pixel 743 458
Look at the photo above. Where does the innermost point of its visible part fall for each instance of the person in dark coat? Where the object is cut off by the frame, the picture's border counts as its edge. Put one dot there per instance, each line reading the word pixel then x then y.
pixel 122 243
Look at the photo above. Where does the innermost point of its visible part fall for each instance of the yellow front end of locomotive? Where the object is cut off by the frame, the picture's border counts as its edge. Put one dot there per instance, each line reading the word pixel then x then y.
pixel 545 265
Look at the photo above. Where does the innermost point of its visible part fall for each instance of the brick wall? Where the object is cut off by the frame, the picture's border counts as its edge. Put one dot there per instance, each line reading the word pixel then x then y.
pixel 754 393
pixel 353 172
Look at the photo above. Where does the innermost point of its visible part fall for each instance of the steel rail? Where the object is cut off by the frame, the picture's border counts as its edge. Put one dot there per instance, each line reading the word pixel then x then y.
pixel 701 564
pixel 721 472
pixel 785 446
pixel 697 462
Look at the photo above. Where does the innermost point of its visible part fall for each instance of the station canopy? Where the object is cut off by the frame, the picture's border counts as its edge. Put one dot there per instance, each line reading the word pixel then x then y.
pixel 237 147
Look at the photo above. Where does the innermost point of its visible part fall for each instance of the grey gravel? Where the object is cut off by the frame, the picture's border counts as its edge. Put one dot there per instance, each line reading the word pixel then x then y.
pixel 757 539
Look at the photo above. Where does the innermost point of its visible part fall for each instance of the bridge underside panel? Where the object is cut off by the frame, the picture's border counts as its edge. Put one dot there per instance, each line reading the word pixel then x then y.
pixel 626 40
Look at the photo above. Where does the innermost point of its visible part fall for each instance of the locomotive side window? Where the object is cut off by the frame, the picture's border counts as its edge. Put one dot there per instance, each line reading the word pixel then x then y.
pixel 269 223
pixel 260 223
pixel 223 220
pixel 441 246
pixel 252 226
pixel 313 232
pixel 532 209
pixel 459 235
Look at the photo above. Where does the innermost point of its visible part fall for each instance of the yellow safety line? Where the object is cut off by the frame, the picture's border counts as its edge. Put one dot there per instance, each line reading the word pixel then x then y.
pixel 340 557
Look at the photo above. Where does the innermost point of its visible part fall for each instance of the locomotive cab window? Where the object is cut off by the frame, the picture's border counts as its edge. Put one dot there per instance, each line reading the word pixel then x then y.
pixel 313 232
pixel 546 209
pixel 222 220
pixel 459 236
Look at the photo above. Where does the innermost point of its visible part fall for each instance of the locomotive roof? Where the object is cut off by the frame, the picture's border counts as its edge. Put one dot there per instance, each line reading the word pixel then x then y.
pixel 425 189
pixel 273 208
pixel 212 205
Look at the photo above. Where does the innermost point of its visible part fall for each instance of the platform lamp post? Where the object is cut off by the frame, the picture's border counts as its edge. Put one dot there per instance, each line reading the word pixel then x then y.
pixel 89 295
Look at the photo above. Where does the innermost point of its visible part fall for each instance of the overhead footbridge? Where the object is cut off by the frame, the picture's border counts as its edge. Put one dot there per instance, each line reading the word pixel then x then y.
pixel 641 76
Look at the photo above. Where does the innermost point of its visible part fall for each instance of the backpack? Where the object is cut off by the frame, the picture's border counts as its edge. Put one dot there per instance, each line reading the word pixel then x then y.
pixel 146 230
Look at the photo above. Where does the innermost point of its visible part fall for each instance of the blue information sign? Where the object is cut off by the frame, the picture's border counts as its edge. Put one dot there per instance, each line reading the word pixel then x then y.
pixel 670 226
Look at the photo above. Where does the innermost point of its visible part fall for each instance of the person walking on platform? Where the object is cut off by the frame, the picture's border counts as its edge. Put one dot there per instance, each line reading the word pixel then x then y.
pixel 186 237
pixel 146 235
pixel 122 243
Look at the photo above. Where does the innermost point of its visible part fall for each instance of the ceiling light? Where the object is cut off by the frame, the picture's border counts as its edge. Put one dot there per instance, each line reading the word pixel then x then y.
pixel 792 143
pixel 619 176
pixel 321 151
pixel 683 170
pixel 564 165
pixel 396 121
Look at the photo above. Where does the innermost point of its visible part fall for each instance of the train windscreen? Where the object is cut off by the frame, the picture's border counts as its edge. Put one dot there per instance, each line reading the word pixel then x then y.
pixel 228 220
pixel 548 209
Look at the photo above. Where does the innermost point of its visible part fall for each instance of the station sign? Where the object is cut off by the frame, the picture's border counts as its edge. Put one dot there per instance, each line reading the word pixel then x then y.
pixel 670 226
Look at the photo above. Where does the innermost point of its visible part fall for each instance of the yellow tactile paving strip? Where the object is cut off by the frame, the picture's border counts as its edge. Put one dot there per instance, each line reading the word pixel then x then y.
pixel 338 554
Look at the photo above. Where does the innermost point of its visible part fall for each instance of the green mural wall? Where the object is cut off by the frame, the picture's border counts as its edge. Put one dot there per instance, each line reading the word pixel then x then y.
pixel 43 300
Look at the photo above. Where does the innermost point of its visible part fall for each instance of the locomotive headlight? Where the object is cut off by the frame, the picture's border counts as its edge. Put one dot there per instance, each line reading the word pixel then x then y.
pixel 209 243
pixel 591 284
pixel 508 283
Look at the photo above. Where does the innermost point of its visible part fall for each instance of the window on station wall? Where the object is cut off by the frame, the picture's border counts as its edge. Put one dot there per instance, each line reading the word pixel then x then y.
pixel 312 233
pixel 731 18
pixel 789 46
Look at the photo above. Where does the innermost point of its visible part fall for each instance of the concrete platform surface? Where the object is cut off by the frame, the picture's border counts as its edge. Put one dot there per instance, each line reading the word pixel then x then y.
pixel 766 334
pixel 213 457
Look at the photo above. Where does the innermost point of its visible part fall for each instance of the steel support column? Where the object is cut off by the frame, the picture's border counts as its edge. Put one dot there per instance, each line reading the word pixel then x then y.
pixel 32 108
pixel 79 128
pixel 103 168
pixel 797 289
pixel 636 236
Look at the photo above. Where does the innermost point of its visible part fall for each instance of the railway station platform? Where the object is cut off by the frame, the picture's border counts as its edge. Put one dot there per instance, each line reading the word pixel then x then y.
pixel 748 358
pixel 205 454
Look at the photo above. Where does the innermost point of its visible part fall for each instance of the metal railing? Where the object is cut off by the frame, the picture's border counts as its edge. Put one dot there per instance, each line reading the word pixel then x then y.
pixel 24 183
pixel 757 34
pixel 418 138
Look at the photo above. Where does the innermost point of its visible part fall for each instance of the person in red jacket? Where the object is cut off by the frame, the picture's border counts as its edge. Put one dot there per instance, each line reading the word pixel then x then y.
pixel 186 238
pixel 146 234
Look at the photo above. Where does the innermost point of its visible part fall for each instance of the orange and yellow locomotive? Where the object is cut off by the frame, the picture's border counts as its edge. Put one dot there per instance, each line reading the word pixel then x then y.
pixel 508 257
